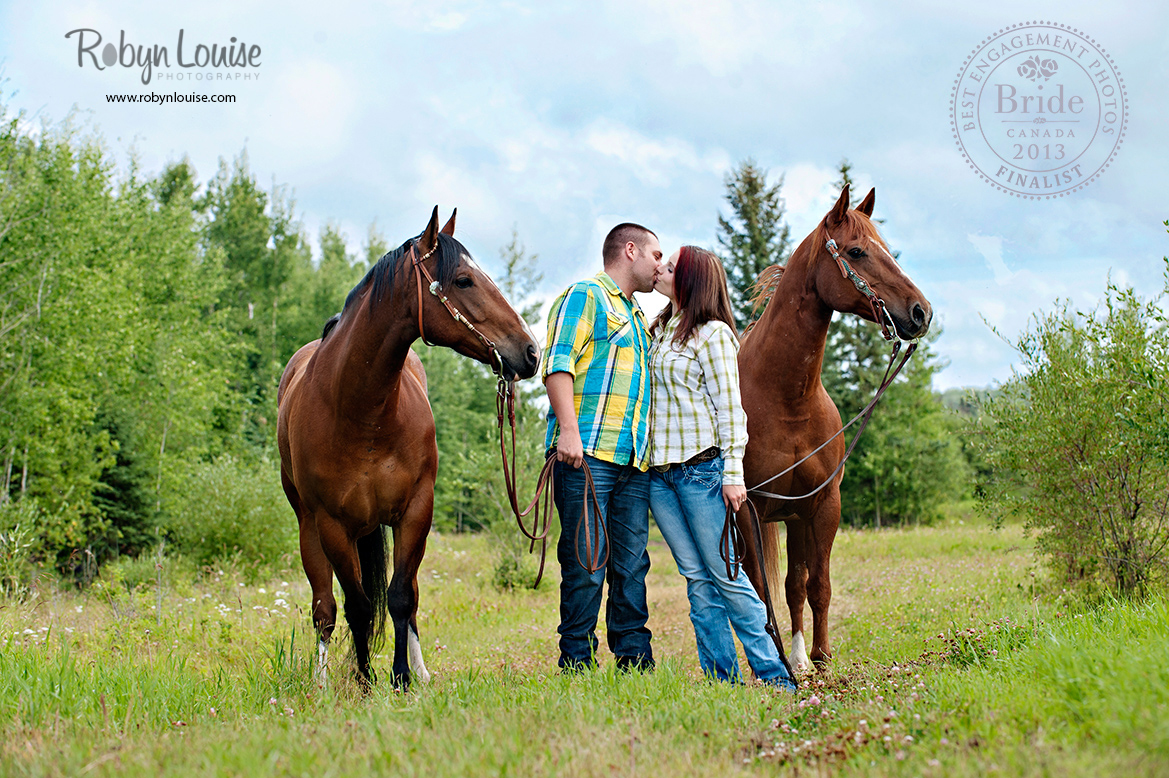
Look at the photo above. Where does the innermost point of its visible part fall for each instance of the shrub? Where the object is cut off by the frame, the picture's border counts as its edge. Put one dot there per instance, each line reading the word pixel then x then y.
pixel 232 510
pixel 1077 441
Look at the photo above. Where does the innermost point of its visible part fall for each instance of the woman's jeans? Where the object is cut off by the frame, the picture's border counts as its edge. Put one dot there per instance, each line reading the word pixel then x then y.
pixel 686 502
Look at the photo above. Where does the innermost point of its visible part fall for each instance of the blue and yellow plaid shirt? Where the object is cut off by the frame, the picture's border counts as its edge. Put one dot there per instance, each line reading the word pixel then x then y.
pixel 599 336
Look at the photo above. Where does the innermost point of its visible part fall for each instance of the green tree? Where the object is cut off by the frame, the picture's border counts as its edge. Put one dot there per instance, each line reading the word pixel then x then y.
pixel 260 245
pixel 1076 441
pixel 109 348
pixel 755 236
pixel 520 279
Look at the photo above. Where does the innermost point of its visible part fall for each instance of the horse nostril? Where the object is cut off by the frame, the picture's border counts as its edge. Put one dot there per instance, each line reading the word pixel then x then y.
pixel 533 355
pixel 918 314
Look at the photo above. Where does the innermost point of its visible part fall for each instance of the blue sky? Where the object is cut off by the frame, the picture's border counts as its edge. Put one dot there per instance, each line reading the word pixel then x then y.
pixel 562 119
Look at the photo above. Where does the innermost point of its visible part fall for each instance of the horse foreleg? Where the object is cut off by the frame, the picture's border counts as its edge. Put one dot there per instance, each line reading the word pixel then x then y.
pixel 822 532
pixel 795 586
pixel 341 551
pixel 320 577
pixel 409 547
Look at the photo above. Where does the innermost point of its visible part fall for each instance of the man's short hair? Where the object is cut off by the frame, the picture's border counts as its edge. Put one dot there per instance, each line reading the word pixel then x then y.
pixel 620 235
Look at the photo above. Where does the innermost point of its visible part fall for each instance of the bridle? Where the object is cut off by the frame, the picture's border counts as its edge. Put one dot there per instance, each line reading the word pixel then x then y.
pixel 435 289
pixel 880 312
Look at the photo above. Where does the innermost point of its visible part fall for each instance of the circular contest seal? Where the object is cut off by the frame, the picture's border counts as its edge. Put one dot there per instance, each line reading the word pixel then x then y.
pixel 1039 110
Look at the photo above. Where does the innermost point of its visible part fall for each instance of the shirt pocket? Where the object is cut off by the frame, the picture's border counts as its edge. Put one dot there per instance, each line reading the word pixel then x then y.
pixel 680 368
pixel 620 329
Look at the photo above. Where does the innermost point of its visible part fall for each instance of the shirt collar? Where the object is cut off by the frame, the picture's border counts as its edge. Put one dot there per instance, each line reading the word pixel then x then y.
pixel 611 287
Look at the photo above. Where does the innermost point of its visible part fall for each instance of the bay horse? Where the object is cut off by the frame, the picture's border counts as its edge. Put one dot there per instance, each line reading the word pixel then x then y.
pixel 357 438
pixel 788 411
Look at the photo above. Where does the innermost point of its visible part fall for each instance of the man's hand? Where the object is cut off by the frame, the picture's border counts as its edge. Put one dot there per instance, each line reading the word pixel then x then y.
pixel 569 447
pixel 734 496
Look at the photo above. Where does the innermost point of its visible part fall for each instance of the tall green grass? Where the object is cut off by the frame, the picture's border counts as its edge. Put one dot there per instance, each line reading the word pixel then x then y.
pixel 954 657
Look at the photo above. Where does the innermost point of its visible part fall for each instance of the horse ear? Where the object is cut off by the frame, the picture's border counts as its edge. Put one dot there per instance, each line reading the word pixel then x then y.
pixel 449 227
pixel 429 237
pixel 836 215
pixel 866 206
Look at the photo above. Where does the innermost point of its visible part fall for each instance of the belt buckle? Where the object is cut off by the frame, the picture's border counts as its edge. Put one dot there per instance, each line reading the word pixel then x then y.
pixel 704 456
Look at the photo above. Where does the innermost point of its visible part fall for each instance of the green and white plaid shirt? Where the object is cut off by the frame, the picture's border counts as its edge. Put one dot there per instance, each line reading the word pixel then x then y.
pixel 696 398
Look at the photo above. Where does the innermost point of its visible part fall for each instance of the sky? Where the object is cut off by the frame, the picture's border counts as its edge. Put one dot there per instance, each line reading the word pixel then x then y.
pixel 560 120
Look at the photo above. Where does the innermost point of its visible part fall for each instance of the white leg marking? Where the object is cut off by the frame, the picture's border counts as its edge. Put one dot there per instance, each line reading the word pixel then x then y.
pixel 799 656
pixel 414 652
pixel 321 673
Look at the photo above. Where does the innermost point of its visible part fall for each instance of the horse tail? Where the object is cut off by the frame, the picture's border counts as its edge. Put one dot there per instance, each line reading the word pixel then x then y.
pixel 374 556
pixel 770 531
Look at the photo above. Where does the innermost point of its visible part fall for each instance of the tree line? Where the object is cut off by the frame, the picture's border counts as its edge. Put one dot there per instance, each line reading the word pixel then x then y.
pixel 144 324
pixel 145 320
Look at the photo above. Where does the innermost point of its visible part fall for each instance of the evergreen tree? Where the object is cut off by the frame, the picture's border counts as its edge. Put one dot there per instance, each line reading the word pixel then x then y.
pixel 260 245
pixel 755 236
pixel 520 278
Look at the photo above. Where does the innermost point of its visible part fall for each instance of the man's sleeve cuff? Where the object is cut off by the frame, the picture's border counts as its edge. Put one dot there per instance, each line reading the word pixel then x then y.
pixel 558 363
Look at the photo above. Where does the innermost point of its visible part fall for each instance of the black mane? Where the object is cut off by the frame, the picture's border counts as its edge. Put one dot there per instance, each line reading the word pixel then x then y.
pixel 384 274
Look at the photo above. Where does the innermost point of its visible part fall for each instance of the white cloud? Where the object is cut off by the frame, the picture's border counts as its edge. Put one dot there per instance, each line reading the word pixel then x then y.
pixel 447 185
pixel 991 248
pixel 653 160
pixel 564 119
pixel 310 109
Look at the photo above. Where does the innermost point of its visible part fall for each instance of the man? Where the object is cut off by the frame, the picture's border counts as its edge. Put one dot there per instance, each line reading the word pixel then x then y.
pixel 596 371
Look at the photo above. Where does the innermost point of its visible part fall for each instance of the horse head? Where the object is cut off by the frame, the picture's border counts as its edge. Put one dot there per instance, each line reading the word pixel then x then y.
pixel 463 309
pixel 860 247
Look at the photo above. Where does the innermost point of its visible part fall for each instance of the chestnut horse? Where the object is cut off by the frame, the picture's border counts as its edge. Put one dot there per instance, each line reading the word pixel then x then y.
pixel 356 434
pixel 788 412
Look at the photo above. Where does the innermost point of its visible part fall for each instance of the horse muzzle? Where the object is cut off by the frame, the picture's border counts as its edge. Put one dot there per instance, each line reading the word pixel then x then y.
pixel 915 322
pixel 520 360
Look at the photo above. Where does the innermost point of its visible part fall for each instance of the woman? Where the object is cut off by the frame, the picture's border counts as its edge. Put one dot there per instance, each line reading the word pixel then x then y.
pixel 699 432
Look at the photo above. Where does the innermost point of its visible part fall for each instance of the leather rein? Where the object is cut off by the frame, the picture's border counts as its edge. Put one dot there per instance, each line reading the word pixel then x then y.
pixel 590 523
pixel 732 546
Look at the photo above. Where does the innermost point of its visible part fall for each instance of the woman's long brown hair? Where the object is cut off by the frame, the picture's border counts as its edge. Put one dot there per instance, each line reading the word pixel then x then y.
pixel 700 287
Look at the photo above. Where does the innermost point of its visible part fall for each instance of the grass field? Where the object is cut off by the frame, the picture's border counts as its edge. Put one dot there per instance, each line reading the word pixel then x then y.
pixel 954 657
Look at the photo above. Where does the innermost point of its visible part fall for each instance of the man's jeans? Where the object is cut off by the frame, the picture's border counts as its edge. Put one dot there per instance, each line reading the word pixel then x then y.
pixel 687 504
pixel 623 494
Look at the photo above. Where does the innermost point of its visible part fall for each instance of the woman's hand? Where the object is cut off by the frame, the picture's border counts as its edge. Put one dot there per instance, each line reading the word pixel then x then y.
pixel 734 496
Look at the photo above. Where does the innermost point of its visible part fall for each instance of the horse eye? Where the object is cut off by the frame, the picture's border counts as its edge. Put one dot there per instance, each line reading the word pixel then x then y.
pixel 855 253
pixel 466 282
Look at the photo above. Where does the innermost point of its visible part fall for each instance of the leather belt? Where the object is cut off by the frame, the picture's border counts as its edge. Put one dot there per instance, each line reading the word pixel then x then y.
pixel 702 456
